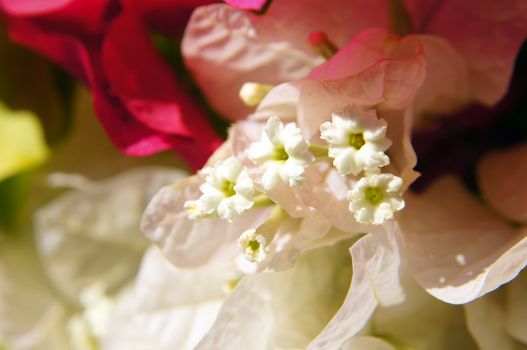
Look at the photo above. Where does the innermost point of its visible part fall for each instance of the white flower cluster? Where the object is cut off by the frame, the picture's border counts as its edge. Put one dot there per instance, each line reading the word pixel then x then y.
pixel 357 142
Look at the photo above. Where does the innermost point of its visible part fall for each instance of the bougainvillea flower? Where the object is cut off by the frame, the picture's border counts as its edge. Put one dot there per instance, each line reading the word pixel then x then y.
pixel 304 298
pixel 319 201
pixel 225 47
pixel 311 299
pixel 462 64
pixel 137 98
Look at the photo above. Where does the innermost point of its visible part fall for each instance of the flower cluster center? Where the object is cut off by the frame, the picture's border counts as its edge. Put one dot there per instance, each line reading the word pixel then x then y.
pixel 254 245
pixel 280 154
pixel 228 188
pixel 356 140
pixel 374 195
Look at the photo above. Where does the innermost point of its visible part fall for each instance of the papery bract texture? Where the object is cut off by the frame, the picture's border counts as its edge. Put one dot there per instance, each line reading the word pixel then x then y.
pixel 505 329
pixel 101 221
pixel 168 307
pixel 225 47
pixel 488 35
pixel 30 315
pixel 458 249
pixel 84 238
pixel 282 309
pixel 464 63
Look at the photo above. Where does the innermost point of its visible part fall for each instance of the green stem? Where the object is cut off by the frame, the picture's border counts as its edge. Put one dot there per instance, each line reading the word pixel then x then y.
pixel 261 201
pixel 319 151
pixel 400 20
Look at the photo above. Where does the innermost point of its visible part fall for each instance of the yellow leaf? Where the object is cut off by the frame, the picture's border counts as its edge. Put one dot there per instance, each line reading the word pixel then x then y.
pixel 22 144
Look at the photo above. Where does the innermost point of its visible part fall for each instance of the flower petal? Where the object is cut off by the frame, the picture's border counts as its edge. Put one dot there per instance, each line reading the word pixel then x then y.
pixel 458 249
pixel 384 69
pixel 93 235
pixel 131 91
pixel 247 4
pixel 31 316
pixel 486 321
pixel 501 177
pixel 295 236
pixel 376 268
pixel 168 307
pixel 447 83
pixel 28 7
pixel 283 309
pixel 516 319
pixel 226 48
pixel 488 34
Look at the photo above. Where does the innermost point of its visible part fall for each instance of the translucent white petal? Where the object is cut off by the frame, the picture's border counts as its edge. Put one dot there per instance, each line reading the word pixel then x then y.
pixel 189 242
pixel 460 250
pixel 168 308
pixel 283 310
pixel 85 237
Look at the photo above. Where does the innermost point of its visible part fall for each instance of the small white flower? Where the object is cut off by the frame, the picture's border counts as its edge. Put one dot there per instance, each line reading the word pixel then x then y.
pixel 228 191
pixel 282 152
pixel 375 198
pixel 357 141
pixel 253 246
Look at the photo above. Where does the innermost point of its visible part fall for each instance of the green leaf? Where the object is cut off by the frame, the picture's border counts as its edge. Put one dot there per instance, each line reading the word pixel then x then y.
pixel 13 192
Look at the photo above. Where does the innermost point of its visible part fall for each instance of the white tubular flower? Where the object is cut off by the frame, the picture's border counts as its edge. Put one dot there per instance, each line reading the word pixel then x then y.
pixel 375 198
pixel 357 141
pixel 253 246
pixel 282 152
pixel 228 191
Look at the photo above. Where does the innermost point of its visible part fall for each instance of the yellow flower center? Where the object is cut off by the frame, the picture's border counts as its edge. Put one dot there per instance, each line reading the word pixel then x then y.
pixel 254 245
pixel 280 154
pixel 228 188
pixel 356 140
pixel 374 195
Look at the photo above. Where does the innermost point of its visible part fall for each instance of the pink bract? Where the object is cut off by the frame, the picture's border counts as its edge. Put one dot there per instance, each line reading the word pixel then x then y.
pixel 136 95
pixel 247 4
